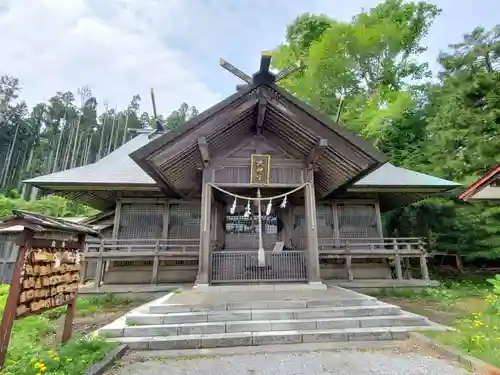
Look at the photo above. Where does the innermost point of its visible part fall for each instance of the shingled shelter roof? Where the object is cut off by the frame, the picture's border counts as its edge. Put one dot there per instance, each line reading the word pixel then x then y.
pixel 40 223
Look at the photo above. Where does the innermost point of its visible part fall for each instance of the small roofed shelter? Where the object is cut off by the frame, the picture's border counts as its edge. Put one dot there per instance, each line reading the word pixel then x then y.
pixel 258 188
pixel 485 188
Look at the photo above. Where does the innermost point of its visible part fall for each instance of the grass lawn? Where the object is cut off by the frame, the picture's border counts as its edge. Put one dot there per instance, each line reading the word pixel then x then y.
pixel 34 348
pixel 472 308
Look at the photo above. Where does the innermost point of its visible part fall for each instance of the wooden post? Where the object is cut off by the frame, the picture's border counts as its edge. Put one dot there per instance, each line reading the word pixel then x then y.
pixel 99 266
pixel 156 264
pixel 336 229
pixel 423 261
pixel 380 228
pixel 348 262
pixel 71 308
pixel 312 233
pixel 9 313
pixel 261 255
pixel 397 260
pixel 204 254
pixel 68 321
pixel 408 271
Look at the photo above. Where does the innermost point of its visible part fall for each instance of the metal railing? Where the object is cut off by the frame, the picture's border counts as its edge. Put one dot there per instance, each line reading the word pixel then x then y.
pixel 243 266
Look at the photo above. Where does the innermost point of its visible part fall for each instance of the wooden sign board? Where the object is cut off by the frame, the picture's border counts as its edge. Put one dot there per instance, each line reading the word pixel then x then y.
pixel 46 275
pixel 50 279
pixel 260 169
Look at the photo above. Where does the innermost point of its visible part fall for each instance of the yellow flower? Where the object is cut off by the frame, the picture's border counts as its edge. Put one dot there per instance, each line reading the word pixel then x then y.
pixel 49 351
pixel 69 359
pixel 38 373
pixel 56 358
pixel 42 369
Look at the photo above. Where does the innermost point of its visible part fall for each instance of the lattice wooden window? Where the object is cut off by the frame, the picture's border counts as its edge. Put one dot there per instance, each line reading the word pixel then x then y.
pixel 357 221
pixel 184 221
pixel 324 221
pixel 141 221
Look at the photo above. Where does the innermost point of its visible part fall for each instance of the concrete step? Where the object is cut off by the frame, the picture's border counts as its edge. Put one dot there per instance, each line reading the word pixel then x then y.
pixel 217 340
pixel 266 325
pixel 263 305
pixel 257 314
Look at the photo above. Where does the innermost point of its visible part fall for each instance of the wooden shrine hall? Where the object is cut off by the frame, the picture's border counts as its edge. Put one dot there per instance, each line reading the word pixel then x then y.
pixel 258 188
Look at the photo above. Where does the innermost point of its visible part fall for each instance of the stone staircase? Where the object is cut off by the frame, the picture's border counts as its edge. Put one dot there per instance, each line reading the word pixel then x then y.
pixel 192 320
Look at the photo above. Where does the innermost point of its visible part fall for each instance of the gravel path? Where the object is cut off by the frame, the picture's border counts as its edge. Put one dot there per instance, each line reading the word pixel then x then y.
pixel 302 363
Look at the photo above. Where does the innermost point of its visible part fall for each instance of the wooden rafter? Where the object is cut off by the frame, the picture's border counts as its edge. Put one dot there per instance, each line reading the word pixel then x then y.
pixel 261 114
pixel 204 154
pixel 316 152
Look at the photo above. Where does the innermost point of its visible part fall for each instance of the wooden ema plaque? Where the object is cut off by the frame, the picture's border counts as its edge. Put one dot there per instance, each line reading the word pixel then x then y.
pixel 46 275
pixel 49 279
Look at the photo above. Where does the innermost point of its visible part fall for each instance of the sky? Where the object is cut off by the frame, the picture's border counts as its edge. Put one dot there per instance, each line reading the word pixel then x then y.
pixel 124 47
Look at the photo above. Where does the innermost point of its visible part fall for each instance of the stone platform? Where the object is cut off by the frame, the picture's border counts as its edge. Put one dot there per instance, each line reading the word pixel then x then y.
pixel 364 285
pixel 193 319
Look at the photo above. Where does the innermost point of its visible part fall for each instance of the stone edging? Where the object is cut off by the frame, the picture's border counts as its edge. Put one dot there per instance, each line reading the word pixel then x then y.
pixel 479 367
pixel 103 365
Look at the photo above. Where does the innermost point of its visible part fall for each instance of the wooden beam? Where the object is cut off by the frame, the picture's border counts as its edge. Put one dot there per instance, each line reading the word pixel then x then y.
pixel 203 147
pixel 261 114
pixel 316 151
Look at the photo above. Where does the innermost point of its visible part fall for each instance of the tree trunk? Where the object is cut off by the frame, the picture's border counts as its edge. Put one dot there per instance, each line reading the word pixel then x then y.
pixel 58 149
pixel 124 138
pixel 103 127
pixel 24 189
pixel 76 145
pixel 111 135
pixel 9 157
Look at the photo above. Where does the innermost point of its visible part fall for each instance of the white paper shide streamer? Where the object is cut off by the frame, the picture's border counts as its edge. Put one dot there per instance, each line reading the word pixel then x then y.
pixel 233 207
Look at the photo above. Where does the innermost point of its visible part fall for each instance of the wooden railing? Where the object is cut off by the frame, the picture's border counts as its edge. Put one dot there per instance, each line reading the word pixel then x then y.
pixel 120 249
pixel 394 249
pixel 138 249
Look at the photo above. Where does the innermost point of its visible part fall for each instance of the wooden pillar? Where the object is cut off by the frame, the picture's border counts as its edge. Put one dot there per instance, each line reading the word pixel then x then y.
pixel 312 232
pixel 380 228
pixel 408 272
pixel 397 260
pixel 423 262
pixel 99 265
pixel 204 255
pixel 9 312
pixel 336 227
pixel 156 263
pixel 348 262
pixel 71 308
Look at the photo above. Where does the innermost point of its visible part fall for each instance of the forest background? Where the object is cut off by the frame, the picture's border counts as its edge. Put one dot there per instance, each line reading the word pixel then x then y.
pixel 444 124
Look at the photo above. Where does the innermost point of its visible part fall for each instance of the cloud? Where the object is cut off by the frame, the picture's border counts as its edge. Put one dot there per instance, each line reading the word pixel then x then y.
pixel 117 47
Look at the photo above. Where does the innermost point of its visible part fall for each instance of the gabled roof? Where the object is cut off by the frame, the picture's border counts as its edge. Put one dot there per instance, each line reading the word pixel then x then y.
pixel 388 175
pixel 115 168
pixel 119 170
pixel 173 159
pixel 492 175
